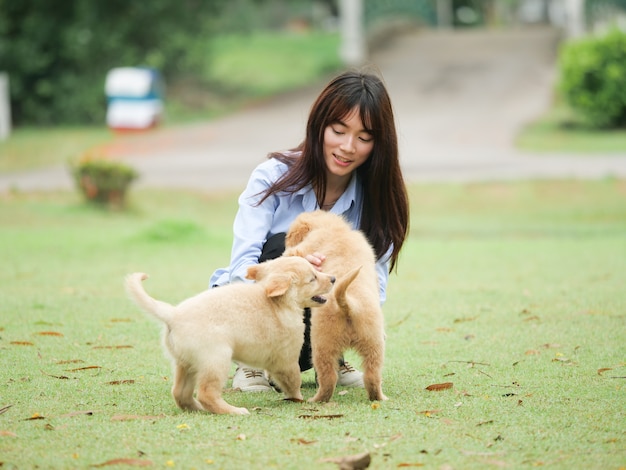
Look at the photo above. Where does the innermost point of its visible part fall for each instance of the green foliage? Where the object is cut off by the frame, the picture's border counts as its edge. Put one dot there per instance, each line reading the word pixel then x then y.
pixel 58 53
pixel 103 181
pixel 593 78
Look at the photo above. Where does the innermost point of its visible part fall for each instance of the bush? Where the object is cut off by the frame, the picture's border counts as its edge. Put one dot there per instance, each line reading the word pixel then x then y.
pixel 103 181
pixel 593 78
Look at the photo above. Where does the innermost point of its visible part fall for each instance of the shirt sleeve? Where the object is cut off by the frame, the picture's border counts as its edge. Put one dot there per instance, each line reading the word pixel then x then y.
pixel 252 225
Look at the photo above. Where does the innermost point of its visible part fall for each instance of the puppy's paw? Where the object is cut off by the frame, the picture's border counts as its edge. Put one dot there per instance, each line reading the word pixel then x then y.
pixel 239 411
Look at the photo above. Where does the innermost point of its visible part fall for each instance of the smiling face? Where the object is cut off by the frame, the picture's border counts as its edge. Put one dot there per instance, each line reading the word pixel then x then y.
pixel 347 145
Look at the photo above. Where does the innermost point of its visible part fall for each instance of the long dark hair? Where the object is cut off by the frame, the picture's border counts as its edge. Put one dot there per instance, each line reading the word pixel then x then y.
pixel 385 215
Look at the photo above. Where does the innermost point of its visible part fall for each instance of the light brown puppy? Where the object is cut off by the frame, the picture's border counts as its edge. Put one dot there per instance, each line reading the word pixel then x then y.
pixel 352 317
pixel 259 324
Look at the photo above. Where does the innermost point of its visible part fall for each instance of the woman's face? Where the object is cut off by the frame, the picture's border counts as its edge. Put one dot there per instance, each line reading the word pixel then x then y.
pixel 347 144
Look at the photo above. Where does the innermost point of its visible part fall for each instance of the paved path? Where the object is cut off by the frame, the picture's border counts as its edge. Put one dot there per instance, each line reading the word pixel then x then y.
pixel 459 97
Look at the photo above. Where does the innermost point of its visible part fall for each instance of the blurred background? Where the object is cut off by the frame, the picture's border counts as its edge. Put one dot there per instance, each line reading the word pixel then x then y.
pixel 212 54
pixel 472 82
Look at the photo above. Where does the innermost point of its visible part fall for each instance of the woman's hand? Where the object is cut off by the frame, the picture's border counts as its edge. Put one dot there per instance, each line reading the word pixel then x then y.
pixel 316 259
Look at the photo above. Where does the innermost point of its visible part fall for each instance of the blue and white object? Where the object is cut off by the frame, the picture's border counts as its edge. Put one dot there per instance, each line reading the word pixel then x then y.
pixel 134 96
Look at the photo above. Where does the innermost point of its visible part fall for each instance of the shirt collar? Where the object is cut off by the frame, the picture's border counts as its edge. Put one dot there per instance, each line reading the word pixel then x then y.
pixel 344 203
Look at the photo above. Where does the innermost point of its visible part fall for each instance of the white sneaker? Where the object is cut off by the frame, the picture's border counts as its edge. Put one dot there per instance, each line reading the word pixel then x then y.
pixel 349 376
pixel 247 379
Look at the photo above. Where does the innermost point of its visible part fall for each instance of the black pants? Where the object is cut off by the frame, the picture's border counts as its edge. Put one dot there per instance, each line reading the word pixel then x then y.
pixel 273 248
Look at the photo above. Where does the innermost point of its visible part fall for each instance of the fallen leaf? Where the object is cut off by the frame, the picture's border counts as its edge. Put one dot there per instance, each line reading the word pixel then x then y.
pixel 320 416
pixel 428 413
pixel 303 441
pixel 482 423
pixel 532 352
pixel 49 333
pixel 133 417
pixel 604 369
pixel 241 437
pixel 351 462
pixel 62 377
pixel 84 368
pixel 466 319
pixel 77 413
pixel 22 343
pixel 415 464
pixel 35 416
pixel 294 400
pixel 71 361
pixel 439 387
pixel 132 462
pixel 121 382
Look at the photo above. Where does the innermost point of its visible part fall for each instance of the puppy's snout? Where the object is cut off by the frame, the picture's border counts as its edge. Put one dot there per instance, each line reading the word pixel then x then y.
pixel 332 279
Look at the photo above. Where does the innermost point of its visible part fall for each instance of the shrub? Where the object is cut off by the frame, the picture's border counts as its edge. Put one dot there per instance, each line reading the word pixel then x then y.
pixel 593 78
pixel 103 181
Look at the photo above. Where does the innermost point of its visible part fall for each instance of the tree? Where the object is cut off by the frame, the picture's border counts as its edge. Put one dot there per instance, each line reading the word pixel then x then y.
pixel 57 53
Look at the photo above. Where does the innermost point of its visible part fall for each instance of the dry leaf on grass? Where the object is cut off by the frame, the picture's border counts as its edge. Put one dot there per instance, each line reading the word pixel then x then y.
pixel 428 413
pixel 603 370
pixel 439 387
pixel 49 333
pixel 303 441
pixel 84 368
pixel 351 462
pixel 22 343
pixel 77 413
pixel 320 416
pixel 121 382
pixel 133 417
pixel 132 462
pixel 62 377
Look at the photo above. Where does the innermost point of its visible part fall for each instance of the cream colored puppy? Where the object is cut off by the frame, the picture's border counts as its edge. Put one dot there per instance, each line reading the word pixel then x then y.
pixel 352 317
pixel 259 324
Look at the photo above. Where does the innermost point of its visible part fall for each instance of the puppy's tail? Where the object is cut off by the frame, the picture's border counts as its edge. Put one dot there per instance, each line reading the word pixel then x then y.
pixel 342 285
pixel 161 310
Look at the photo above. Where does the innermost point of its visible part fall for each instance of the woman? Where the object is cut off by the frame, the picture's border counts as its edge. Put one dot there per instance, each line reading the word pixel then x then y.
pixel 348 164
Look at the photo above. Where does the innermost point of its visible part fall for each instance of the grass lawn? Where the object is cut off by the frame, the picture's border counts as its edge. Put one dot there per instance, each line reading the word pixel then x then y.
pixel 513 293
pixel 560 130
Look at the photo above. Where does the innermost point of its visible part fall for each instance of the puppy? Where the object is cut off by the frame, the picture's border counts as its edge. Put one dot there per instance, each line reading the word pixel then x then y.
pixel 259 324
pixel 352 317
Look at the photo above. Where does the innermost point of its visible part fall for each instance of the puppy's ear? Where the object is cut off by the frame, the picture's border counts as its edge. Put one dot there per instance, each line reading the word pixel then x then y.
pixel 277 285
pixel 297 232
pixel 253 272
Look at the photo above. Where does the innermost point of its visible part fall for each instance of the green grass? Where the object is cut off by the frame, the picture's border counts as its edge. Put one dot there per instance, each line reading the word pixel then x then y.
pixel 265 63
pixel 560 130
pixel 512 292
pixel 29 148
